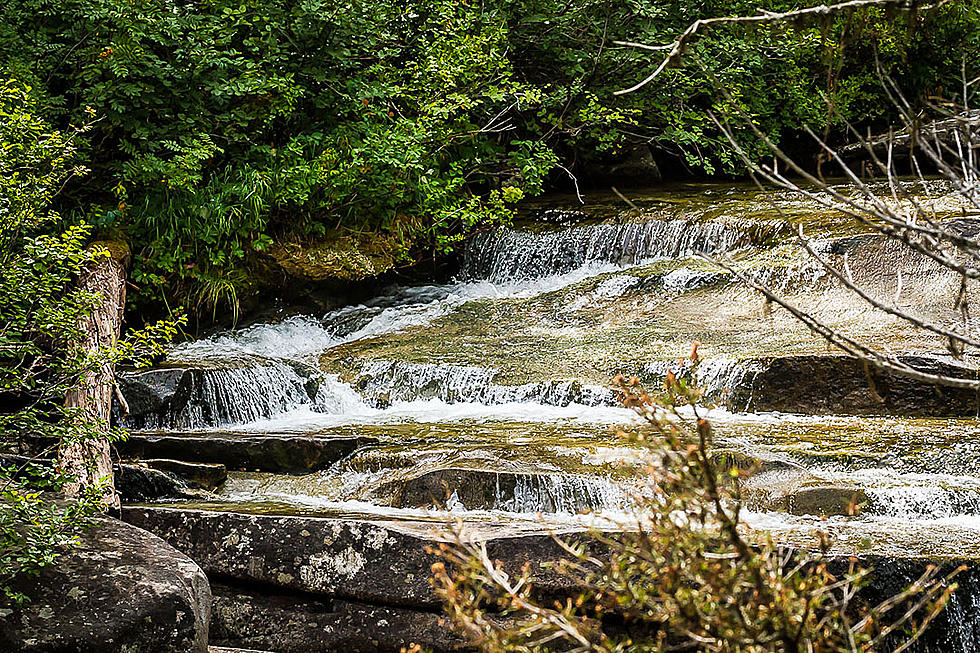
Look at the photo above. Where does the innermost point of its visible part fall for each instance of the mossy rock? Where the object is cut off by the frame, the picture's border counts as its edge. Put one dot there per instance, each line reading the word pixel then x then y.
pixel 346 258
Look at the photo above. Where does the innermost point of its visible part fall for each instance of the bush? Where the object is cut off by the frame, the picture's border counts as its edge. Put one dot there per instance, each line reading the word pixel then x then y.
pixel 41 312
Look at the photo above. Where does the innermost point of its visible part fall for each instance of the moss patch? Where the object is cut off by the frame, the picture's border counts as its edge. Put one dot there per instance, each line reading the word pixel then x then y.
pixel 341 257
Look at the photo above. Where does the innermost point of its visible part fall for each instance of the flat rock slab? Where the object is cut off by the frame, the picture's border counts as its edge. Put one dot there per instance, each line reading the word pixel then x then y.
pixel 119 589
pixel 846 386
pixel 280 453
pixel 205 476
pixel 380 563
pixel 290 623
pixel 136 483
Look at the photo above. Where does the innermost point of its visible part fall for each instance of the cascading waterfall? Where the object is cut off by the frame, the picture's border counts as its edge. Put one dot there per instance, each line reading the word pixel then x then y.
pixel 236 396
pixel 505 255
pixel 207 397
pixel 923 502
pixel 718 377
pixel 398 381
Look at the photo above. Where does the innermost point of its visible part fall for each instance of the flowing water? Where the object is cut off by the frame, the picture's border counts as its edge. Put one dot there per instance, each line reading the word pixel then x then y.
pixel 489 396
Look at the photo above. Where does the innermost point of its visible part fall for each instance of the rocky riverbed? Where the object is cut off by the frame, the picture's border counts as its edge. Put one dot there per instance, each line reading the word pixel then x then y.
pixel 317 457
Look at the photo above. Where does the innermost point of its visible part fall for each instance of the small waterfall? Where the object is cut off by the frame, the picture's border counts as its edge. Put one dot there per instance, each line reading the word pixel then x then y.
pixel 561 493
pixel 720 378
pixel 250 390
pixel 506 255
pixel 923 502
pixel 396 381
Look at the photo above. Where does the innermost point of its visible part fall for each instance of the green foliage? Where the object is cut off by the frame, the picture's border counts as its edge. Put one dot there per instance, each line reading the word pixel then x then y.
pixel 41 310
pixel 228 125
pixel 688 575
pixel 34 528
pixel 39 317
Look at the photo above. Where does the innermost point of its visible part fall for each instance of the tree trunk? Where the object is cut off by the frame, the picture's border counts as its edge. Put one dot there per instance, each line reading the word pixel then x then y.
pixel 88 460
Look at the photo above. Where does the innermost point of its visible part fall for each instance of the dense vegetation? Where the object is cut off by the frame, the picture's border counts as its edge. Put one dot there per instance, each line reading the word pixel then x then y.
pixel 39 317
pixel 42 310
pixel 227 127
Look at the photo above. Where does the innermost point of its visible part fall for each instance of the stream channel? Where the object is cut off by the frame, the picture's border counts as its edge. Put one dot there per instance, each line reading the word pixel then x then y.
pixel 489 399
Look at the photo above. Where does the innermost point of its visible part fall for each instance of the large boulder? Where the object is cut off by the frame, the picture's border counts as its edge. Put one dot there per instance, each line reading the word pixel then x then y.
pixel 120 589
pixel 383 563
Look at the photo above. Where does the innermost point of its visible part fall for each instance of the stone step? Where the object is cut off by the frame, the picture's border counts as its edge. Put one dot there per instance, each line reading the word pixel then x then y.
pixel 136 483
pixel 372 562
pixel 206 476
pixel 286 453
pixel 290 623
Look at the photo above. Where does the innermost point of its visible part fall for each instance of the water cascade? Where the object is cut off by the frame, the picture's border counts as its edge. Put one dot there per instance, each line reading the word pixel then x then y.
pixel 489 398
pixel 506 254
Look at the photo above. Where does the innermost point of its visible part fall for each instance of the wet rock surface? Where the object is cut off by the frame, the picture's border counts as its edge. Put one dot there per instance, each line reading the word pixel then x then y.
pixel 816 500
pixel 296 623
pixel 841 385
pixel 205 476
pixel 284 453
pixel 120 589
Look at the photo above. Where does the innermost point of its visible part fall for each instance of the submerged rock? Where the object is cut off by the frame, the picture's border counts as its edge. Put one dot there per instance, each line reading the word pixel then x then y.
pixel 283 453
pixel 818 500
pixel 119 589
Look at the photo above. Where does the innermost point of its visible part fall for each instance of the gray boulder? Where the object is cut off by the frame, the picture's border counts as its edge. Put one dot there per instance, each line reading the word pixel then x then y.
pixel 119 589
pixel 379 563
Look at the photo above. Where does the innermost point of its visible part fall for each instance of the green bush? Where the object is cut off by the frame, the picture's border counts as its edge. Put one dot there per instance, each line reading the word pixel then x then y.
pixel 41 312
pixel 225 126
